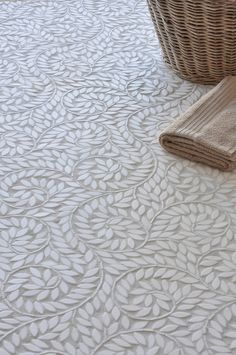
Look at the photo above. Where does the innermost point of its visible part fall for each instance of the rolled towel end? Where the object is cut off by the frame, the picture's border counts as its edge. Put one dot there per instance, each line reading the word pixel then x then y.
pixel 196 152
pixel 206 132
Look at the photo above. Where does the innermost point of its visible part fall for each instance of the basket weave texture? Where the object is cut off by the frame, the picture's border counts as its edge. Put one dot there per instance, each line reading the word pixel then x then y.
pixel 198 37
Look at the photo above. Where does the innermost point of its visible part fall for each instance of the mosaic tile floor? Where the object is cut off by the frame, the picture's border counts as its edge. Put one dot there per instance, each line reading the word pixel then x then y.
pixel 109 245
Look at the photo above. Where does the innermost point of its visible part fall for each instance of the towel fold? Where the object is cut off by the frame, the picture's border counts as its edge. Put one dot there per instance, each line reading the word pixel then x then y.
pixel 206 133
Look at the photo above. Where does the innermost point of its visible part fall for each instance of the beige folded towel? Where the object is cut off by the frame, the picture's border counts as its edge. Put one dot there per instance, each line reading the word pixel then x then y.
pixel 206 133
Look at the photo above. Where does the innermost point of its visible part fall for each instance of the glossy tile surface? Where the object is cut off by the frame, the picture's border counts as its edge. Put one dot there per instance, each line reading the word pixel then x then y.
pixel 109 245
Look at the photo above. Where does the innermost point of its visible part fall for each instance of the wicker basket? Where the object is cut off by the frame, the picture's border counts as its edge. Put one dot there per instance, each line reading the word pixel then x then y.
pixel 198 37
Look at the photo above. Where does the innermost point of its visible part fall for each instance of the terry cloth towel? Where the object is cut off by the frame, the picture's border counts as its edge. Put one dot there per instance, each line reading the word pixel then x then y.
pixel 206 133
